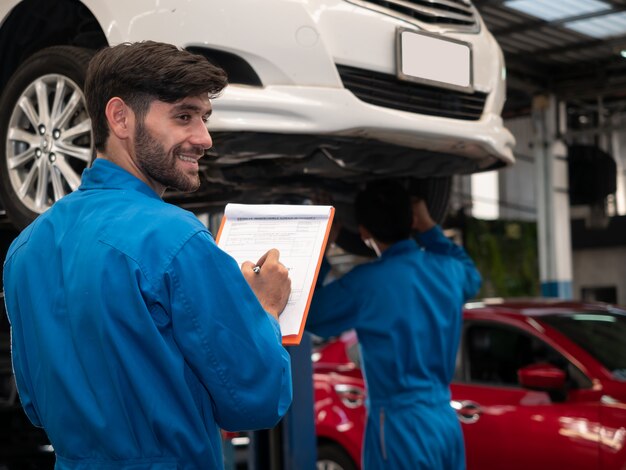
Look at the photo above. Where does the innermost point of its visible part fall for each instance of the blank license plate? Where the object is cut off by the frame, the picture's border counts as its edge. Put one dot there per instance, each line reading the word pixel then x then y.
pixel 430 59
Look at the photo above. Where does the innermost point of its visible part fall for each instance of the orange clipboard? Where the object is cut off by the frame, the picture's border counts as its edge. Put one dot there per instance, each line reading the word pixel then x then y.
pixel 293 318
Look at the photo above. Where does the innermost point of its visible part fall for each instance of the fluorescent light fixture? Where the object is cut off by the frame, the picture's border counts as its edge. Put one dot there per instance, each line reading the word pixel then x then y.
pixel 623 53
pixel 485 195
pixel 613 24
pixel 553 10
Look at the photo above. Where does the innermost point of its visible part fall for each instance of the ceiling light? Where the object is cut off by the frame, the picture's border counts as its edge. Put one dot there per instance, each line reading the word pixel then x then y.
pixel 551 10
pixel 613 24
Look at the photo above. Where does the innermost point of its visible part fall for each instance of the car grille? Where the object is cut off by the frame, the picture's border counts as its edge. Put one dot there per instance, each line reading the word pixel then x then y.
pixel 388 91
pixel 452 14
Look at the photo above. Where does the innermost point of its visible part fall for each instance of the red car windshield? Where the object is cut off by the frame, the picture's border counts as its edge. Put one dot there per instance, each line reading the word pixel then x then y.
pixel 600 333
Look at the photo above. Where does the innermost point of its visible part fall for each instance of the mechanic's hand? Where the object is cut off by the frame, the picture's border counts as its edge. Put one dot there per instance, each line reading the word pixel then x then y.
pixel 269 281
pixel 422 221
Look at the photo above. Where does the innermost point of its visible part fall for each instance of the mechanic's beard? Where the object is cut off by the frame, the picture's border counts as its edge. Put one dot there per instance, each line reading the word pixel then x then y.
pixel 160 165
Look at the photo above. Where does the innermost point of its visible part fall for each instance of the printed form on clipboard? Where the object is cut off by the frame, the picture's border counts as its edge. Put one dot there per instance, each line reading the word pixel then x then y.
pixel 298 232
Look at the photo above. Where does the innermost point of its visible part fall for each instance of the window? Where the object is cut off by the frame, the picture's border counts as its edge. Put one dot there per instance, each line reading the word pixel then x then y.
pixel 493 354
pixel 600 333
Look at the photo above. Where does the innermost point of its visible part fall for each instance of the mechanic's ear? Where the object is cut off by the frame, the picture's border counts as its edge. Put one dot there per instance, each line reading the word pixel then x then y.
pixel 369 240
pixel 120 118
pixel 364 233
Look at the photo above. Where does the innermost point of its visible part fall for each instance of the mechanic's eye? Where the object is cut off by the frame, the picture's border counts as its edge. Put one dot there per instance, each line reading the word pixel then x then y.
pixel 184 117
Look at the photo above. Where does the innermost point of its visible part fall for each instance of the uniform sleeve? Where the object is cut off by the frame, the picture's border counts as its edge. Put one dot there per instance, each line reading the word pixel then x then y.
pixel 334 307
pixel 435 241
pixel 227 338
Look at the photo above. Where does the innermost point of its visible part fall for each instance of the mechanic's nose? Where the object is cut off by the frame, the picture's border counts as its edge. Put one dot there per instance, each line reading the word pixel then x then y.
pixel 208 141
pixel 202 137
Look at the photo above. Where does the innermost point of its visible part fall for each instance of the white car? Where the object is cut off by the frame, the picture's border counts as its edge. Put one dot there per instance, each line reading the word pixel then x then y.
pixel 323 94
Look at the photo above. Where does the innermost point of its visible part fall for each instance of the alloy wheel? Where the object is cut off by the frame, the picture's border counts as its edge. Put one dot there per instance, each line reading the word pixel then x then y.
pixel 49 141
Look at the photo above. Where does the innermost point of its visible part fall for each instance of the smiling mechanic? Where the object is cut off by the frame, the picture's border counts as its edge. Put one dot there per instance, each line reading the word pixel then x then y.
pixel 134 337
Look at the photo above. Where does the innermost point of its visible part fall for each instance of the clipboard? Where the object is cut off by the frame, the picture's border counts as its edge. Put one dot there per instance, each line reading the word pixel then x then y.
pixel 299 232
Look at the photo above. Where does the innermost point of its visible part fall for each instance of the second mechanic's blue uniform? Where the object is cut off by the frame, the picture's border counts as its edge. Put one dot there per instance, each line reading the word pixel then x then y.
pixel 406 308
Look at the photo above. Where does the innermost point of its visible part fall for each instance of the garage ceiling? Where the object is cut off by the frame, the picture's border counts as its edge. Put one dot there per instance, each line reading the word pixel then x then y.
pixel 572 48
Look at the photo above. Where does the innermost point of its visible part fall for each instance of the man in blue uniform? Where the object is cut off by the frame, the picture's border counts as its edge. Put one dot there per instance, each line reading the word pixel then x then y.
pixel 406 308
pixel 134 338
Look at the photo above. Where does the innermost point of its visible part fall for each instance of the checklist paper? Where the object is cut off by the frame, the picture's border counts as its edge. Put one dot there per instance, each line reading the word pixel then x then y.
pixel 298 232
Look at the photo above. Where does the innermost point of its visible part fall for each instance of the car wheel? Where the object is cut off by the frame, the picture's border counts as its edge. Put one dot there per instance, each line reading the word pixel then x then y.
pixel 435 191
pixel 333 457
pixel 45 132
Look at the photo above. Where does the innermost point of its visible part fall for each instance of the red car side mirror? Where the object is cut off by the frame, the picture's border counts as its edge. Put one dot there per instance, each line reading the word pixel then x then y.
pixel 541 377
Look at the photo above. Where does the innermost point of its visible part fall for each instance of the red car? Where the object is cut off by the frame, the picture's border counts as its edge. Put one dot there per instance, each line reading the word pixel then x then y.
pixel 539 384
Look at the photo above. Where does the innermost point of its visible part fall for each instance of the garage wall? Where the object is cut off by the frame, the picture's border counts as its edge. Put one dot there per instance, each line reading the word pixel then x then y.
pixel 517 183
pixel 515 195
pixel 598 270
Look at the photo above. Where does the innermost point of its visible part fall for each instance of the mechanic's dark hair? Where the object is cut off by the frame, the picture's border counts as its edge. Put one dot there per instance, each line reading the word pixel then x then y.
pixel 384 208
pixel 142 72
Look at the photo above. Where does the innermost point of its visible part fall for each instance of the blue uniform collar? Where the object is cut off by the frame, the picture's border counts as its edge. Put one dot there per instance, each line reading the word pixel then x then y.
pixel 105 174
pixel 400 247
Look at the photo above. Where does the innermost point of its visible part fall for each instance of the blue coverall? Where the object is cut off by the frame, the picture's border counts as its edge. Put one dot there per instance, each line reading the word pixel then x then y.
pixel 406 308
pixel 134 337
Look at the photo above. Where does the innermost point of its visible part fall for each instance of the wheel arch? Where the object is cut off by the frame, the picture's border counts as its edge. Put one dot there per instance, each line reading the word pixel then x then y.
pixel 350 451
pixel 33 25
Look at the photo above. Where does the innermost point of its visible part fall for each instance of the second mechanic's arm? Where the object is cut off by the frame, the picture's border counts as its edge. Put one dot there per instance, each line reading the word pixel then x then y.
pixel 431 237
pixel 334 307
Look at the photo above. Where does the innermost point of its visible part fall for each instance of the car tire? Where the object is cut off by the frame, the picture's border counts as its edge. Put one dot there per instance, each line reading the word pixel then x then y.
pixel 331 456
pixel 435 191
pixel 45 132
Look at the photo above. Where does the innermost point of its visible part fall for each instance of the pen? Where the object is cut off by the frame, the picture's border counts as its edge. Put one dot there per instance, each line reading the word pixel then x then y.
pixel 257 269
